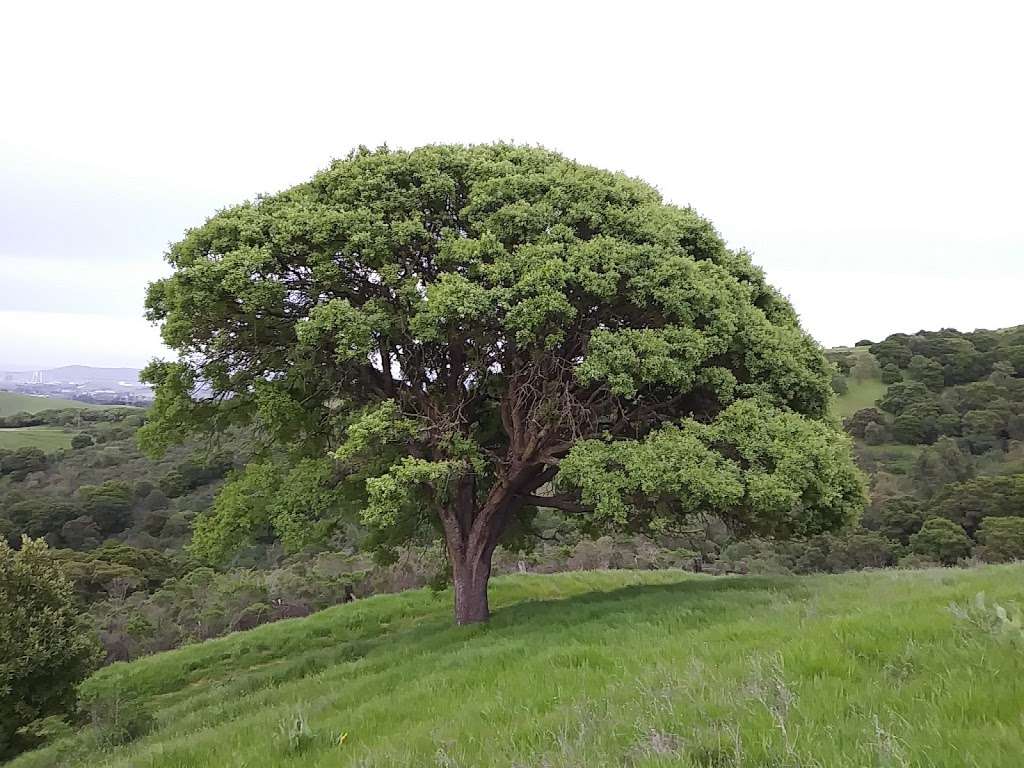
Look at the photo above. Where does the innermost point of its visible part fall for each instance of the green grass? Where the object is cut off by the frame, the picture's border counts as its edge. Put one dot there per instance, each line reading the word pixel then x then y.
pixel 15 402
pixel 48 438
pixel 598 669
pixel 861 394
pixel 898 459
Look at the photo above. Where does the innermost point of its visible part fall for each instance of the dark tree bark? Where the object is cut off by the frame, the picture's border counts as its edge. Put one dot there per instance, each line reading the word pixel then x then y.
pixel 471 536
pixel 470 578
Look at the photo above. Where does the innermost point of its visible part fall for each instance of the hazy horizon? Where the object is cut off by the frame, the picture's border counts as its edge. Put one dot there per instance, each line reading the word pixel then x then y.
pixel 869 157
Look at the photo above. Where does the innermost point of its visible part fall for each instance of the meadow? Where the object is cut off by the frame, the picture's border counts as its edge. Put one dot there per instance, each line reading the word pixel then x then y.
pixel 613 668
pixel 861 394
pixel 47 438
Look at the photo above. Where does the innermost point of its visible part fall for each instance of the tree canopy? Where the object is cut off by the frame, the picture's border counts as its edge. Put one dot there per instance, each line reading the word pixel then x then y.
pixel 442 340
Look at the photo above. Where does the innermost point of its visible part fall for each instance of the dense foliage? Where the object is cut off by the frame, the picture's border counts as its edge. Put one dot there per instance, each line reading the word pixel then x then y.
pixel 944 440
pixel 969 386
pixel 107 488
pixel 45 647
pixel 446 339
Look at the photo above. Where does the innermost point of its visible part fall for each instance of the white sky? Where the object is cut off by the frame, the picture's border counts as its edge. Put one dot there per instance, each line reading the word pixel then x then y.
pixel 871 155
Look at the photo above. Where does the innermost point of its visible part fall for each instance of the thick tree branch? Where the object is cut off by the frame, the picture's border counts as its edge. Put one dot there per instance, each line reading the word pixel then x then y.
pixel 563 502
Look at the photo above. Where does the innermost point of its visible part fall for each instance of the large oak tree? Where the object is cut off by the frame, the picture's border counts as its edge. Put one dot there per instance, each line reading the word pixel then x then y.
pixel 443 340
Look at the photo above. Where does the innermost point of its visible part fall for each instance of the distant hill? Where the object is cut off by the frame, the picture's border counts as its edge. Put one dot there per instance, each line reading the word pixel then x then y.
pixel 15 402
pixel 937 421
pixel 73 373
pixel 89 373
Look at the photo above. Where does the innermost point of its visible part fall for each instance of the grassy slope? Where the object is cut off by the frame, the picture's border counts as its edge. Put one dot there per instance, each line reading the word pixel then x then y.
pixel 861 394
pixel 47 438
pixel 600 669
pixel 15 402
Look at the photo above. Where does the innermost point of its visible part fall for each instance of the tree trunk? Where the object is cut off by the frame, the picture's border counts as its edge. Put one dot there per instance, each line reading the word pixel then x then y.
pixel 471 535
pixel 470 578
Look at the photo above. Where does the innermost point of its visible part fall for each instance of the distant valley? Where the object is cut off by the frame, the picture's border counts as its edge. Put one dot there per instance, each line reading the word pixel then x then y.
pixel 81 383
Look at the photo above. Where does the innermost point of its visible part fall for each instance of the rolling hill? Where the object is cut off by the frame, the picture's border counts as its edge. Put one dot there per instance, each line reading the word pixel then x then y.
pixel 614 668
pixel 78 373
pixel 15 402
pixel 92 373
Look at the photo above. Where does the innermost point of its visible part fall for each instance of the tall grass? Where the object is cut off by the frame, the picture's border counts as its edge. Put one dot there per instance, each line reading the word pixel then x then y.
pixel 598 669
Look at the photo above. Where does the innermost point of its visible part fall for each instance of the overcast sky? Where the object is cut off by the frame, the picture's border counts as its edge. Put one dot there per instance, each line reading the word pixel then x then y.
pixel 871 156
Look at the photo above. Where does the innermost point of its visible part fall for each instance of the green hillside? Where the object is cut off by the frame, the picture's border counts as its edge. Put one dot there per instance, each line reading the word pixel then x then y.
pixel 15 402
pixel 47 438
pixel 860 394
pixel 612 668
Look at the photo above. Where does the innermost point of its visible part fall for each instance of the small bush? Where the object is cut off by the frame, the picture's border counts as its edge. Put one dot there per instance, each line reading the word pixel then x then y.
pixel 875 434
pixel 45 647
pixel 861 549
pixel 1001 539
pixel 898 518
pixel 942 540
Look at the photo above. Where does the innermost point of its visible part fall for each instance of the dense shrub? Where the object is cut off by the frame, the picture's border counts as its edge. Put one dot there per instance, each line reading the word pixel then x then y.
pixel 891 374
pixel 968 503
pixel 902 395
pixel 756 556
pixel 854 549
pixel 897 519
pixel 941 540
pixel 21 462
pixel 80 533
pixel 39 517
pixel 841 359
pixel 939 465
pixel 865 368
pixel 861 549
pixel 205 603
pixel 856 425
pixel 81 497
pixel 893 351
pixel 114 719
pixel 875 434
pixel 924 423
pixel 116 569
pixel 1001 539
pixel 45 648
pixel 984 429
pixel 107 504
pixel 928 372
